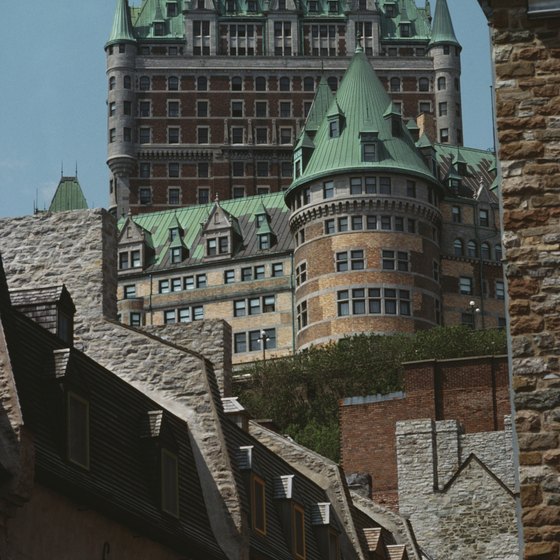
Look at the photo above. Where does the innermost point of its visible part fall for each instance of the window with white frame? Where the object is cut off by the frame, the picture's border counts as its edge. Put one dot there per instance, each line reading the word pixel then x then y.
pixel 323 41
pixel 282 38
pixel 201 38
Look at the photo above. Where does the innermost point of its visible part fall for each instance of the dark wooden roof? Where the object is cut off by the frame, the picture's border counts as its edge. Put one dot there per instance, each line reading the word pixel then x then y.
pixel 122 481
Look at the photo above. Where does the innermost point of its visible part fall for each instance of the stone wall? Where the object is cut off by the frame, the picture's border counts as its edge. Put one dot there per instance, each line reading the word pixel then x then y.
pixel 451 488
pixel 526 53
pixel 210 338
pixel 473 391
pixel 79 250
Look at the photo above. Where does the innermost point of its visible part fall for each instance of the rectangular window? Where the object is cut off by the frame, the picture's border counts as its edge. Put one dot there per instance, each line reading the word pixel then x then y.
pixel 343 223
pixel 173 109
pixel 258 504
pixel 173 135
pixel 301 274
pixel 174 170
pixel 237 108
pixel 203 194
pixel 328 189
pixel 394 260
pixel 164 287
pixel 343 303
pixel 329 226
pixel 237 135
pixel 465 285
pixel 129 291
pixel 298 532
pixel 240 342
pixel 261 135
pixel 246 274
pixel 144 135
pixel 411 189
pixel 285 109
pixel 144 108
pixel 357 223
pixel 483 218
pixel 144 195
pixel 285 135
pixel 259 272
pixel 355 185
pixel 198 313
pixel 202 108
pixel 261 109
pixel 456 215
pixel 277 269
pixel 371 222
pixel 77 422
pixel 188 283
pixel 500 290
pixel 174 196
pixel 237 168
pixel 385 185
pixel 301 311
pixel 201 280
pixel 184 315
pixel 202 135
pixel 262 168
pixel 201 38
pixel 169 483
pixel 239 308
pixel 350 260
pixel 135 319
pixel 386 222
pixel 203 169
pixel 229 276
pixel 282 38
pixel 442 109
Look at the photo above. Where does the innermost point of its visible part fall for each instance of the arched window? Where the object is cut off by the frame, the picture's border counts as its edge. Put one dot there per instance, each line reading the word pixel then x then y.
pixel 395 84
pixel 333 83
pixel 144 83
pixel 260 83
pixel 202 83
pixel 172 83
pixel 498 252
pixel 284 83
pixel 127 82
pixel 458 248
pixel 485 251
pixel 112 82
pixel 441 83
pixel 308 83
pixel 471 248
pixel 236 83
pixel 423 84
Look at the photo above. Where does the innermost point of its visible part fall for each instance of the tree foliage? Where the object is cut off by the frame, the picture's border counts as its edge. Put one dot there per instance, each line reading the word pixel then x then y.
pixel 300 393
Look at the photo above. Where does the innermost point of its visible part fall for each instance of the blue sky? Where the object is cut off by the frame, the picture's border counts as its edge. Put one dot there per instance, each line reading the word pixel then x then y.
pixel 52 99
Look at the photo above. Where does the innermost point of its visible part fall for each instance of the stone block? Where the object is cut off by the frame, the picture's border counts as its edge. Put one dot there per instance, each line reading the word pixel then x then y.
pixel 531 495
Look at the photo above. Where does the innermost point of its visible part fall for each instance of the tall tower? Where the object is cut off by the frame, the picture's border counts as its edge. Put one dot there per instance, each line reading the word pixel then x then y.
pixel 446 52
pixel 365 217
pixel 121 107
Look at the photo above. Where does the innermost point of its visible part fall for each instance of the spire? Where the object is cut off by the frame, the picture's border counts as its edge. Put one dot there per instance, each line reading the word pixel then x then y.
pixel 321 102
pixel 122 25
pixel 363 102
pixel 442 29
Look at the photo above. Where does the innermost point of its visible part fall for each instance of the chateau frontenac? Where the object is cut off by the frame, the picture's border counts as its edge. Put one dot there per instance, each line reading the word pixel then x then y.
pixel 298 170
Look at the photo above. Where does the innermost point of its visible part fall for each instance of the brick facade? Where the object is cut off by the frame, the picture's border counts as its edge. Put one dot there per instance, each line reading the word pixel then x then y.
pixel 526 54
pixel 473 391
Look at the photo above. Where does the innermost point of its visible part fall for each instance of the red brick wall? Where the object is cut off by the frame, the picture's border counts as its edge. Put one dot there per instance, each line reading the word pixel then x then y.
pixel 472 390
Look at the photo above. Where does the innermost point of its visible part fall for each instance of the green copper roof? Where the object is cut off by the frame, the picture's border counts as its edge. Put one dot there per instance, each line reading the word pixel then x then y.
pixel 405 12
pixel 442 29
pixel 363 101
pixel 122 25
pixel 68 196
pixel 321 103
pixel 191 219
pixel 152 13
pixel 424 142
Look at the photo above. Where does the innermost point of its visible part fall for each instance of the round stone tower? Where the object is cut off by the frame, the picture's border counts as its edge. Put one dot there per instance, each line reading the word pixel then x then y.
pixel 446 52
pixel 365 217
pixel 121 105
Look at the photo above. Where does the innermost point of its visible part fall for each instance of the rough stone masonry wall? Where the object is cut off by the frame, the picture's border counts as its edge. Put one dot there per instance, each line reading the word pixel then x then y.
pixel 457 508
pixel 526 53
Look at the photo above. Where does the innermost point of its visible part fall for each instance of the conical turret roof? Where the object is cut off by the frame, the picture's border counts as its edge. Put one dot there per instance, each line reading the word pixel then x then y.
pixel 68 196
pixel 442 28
pixel 122 25
pixel 321 103
pixel 362 102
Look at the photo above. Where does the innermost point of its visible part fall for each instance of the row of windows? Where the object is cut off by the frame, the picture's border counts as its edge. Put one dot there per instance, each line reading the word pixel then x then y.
pixel 373 301
pixel 466 287
pixel 354 260
pixel 254 306
pixel 472 250
pixel 237 135
pixel 483 216
pixel 369 222
pixel 261 168
pixel 251 341
pixel 178 284
pixel 249 273
pixel 183 314
pixel 237 83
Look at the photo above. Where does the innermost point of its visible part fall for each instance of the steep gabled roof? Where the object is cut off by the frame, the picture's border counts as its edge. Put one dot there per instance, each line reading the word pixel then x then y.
pixel 442 29
pixel 68 196
pixel 406 11
pixel 150 11
pixel 122 25
pixel 321 103
pixel 363 101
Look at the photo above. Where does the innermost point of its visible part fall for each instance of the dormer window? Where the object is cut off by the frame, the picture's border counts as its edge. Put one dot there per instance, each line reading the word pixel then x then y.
pixel 405 29
pixel 175 255
pixel 390 9
pixel 172 9
pixel 173 233
pixel 313 6
pixel 217 245
pixel 454 185
pixel 260 219
pixel 64 327
pixel 369 151
pixel 159 28
pixel 258 504
pixel 264 241
pixel 334 130
pixel 251 6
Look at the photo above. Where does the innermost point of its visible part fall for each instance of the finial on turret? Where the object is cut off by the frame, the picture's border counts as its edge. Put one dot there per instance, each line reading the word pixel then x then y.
pixel 359 47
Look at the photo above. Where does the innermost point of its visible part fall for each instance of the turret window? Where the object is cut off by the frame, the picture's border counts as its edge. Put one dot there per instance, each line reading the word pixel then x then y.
pixel 328 189
pixel 127 82
pixel 369 152
pixel 112 82
pixel 443 109
pixel 441 83
pixel 334 129
pixel 443 135
pixel 446 49
pixel 350 260
pixel 301 315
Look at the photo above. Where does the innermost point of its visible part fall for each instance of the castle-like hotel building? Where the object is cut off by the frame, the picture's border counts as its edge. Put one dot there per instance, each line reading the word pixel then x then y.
pixel 370 216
